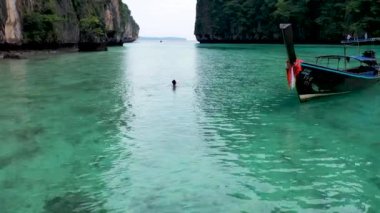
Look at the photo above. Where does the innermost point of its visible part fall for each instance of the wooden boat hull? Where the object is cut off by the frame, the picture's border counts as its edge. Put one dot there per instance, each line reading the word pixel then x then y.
pixel 317 81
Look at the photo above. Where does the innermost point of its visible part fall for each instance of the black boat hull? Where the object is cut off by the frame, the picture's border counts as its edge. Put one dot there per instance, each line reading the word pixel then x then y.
pixel 317 81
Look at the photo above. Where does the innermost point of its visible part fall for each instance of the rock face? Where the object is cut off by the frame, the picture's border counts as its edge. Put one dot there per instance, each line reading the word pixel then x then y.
pixel 12 26
pixel 89 24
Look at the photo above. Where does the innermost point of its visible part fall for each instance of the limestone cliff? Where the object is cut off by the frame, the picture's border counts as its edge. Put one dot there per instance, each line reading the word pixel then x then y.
pixel 37 24
pixel 234 21
pixel 257 21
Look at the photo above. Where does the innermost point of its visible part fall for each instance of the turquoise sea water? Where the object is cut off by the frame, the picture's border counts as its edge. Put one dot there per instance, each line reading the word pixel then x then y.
pixel 105 132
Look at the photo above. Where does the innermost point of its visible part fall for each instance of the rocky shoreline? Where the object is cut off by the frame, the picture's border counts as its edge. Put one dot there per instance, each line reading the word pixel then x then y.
pixel 27 54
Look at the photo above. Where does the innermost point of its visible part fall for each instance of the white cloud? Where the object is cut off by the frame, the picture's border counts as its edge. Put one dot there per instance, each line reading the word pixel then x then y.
pixel 164 17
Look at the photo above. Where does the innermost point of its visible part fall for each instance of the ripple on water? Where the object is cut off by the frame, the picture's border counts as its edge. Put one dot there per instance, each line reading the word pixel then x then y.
pixel 104 132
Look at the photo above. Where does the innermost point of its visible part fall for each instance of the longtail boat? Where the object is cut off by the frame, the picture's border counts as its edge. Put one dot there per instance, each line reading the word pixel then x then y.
pixel 324 78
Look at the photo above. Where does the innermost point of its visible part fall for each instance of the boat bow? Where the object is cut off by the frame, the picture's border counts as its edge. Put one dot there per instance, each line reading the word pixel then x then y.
pixel 293 67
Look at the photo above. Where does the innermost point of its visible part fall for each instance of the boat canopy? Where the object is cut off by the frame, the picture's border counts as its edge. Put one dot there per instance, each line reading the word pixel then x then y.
pixel 347 58
pixel 336 57
pixel 360 41
pixel 364 59
pixel 333 57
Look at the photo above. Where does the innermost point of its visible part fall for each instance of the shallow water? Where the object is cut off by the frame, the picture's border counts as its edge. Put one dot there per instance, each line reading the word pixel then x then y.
pixel 105 132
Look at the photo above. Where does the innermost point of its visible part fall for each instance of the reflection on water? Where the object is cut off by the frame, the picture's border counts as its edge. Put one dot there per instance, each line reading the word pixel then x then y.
pixel 106 132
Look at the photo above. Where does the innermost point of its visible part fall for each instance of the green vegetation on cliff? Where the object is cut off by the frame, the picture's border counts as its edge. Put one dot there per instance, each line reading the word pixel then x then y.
pixel 257 20
pixel 39 28
pixel 92 29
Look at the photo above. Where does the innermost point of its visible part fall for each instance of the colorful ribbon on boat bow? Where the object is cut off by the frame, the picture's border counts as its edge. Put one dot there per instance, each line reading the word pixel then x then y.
pixel 292 71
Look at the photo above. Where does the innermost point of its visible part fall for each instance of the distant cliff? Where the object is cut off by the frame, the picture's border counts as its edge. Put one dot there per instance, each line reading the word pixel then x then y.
pixel 39 24
pixel 256 21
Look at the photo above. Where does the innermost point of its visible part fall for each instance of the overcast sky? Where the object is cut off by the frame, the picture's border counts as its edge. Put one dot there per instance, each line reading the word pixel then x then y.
pixel 164 17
